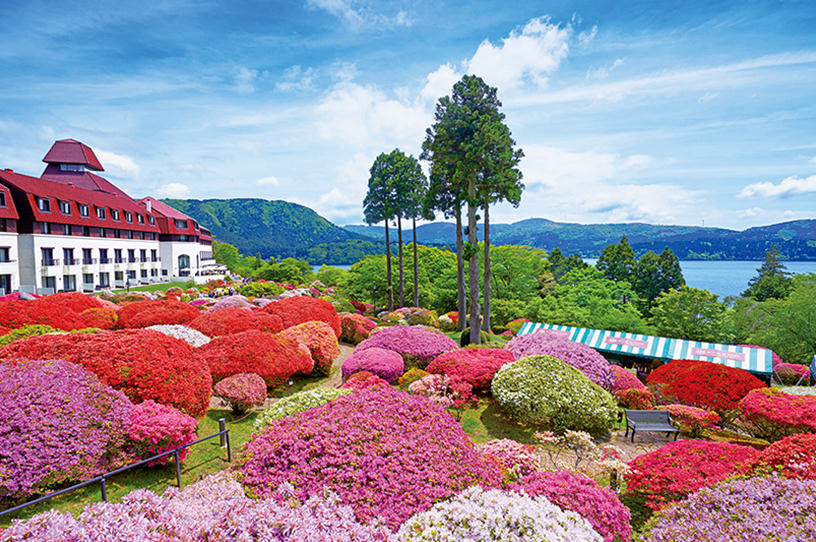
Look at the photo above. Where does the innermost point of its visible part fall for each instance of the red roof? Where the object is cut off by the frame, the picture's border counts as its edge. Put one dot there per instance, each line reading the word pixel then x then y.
pixel 9 211
pixel 166 217
pixel 71 151
pixel 81 179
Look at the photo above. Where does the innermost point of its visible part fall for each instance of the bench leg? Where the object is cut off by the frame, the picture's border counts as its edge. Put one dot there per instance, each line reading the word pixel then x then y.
pixel 675 435
pixel 633 435
pixel 627 432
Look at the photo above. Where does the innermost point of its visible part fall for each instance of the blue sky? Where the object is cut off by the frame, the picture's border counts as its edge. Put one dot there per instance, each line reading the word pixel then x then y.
pixel 660 112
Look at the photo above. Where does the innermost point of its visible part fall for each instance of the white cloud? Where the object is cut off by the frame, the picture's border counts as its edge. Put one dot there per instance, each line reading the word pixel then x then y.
pixel 587 36
pixel 812 161
pixel 357 16
pixel 245 80
pixel 787 187
pixel 118 165
pixel 604 71
pixel 439 82
pixel 173 190
pixel 264 181
pixel 707 97
pixel 296 78
pixel 752 212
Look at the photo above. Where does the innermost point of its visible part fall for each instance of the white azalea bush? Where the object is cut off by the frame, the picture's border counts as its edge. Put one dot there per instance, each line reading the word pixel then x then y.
pixel 476 514
pixel 187 334
pixel 544 391
pixel 296 403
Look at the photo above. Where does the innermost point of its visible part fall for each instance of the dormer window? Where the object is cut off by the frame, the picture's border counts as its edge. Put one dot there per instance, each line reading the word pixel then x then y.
pixel 65 208
pixel 129 216
pixel 180 224
pixel 83 210
pixel 151 219
pixel 2 199
pixel 115 214
pixel 72 167
pixel 140 219
pixel 100 213
pixel 44 205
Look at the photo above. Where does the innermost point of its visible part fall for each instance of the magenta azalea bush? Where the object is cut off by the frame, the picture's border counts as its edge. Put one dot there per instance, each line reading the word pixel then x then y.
pixel 516 459
pixel 386 364
pixel 417 346
pixel 242 391
pixel 155 428
pixel 578 493
pixel 624 379
pixel 58 423
pixel 237 301
pixel 385 453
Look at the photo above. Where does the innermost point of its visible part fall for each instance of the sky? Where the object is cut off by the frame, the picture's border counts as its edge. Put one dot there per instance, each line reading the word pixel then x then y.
pixel 695 112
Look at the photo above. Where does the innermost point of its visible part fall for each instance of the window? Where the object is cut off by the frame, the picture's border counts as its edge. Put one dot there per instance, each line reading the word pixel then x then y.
pixel 103 256
pixel 151 219
pixel 184 261
pixel 154 272
pixel 66 229
pixel 131 255
pixel 49 283
pixel 117 233
pixel 45 227
pixel 115 214
pixel 141 235
pixel 130 234
pixel 118 275
pixel 65 208
pixel 72 167
pixel 183 238
pixel 143 254
pixel 87 256
pixel 195 225
pixel 103 232
pixel 104 280
pixel 117 255
pixel 180 224
pixel 5 254
pixel 83 210
pixel 86 231
pixel 3 199
pixel 153 257
pixel 143 273
pixel 140 219
pixel 131 275
pixel 100 213
pixel 44 205
pixel 47 257
pixel 68 256
pixel 129 216
pixel 69 283
pixel 87 279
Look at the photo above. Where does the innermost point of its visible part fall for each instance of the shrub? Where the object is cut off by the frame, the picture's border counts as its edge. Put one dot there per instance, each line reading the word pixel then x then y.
pixel 141 363
pixel 417 346
pixel 543 390
pixel 679 468
pixel 442 390
pixel 623 379
pixel 242 391
pixel 298 309
pixel 637 399
pixel 769 508
pixel 355 328
pixel 578 493
pixel 155 428
pixel 363 380
pixel 515 325
pixel 704 384
pixel 58 423
pixel 32 330
pixel 15 314
pixel 552 343
pixel 152 313
pixel 476 366
pixel 100 318
pixel 75 301
pixel 774 414
pixel 446 323
pixel 792 457
pixel 692 420
pixel 494 515
pixel 385 453
pixel 321 341
pixel 258 289
pixel 411 376
pixel 187 334
pixel 386 364
pixel 231 301
pixel 792 374
pixel 296 403
pixel 272 357
pixel 231 320
pixel 515 458
pixel 793 390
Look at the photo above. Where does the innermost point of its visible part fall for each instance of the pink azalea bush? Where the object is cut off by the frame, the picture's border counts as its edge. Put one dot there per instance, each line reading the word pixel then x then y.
pixel 692 420
pixel 773 414
pixel 363 380
pixel 477 366
pixel 578 493
pixel 624 379
pixel 155 428
pixel 385 453
pixel 242 391
pixel 386 364
pixel 58 423
pixel 442 390
pixel 417 346
pixel 791 457
pixel 515 458
pixel 236 301
pixel 792 373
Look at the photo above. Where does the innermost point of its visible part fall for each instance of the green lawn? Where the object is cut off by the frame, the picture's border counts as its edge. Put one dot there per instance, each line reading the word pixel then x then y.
pixel 163 287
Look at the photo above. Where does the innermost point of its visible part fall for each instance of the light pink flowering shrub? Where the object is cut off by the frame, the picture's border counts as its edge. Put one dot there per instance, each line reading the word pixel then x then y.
pixel 624 379
pixel 417 346
pixel 386 364
pixel 516 459
pixel 242 391
pixel 442 390
pixel 155 428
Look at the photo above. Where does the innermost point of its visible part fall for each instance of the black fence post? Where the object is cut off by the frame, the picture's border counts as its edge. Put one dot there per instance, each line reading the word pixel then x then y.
pixel 178 469
pixel 104 490
pixel 222 426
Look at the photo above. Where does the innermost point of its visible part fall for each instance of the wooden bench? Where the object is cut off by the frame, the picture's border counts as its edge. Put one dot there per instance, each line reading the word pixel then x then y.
pixel 649 420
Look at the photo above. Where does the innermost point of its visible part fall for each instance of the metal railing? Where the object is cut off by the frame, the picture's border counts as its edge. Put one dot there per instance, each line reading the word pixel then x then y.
pixel 223 433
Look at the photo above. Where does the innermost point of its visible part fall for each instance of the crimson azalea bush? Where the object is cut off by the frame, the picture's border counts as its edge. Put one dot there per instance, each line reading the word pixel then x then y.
pixel 636 399
pixel 385 453
pixel 144 364
pixel 4 330
pixel 100 318
pixel 791 457
pixel 298 309
pixel 230 320
pixel 321 341
pixel 386 364
pixel 242 391
pixel 623 379
pixel 692 420
pixel 58 423
pixel 703 384
pixel 417 346
pixel 272 357
pixel 476 366
pixel 578 493
pixel 679 468
pixel 14 314
pixel 773 414
pixel 75 301
pixel 155 428
pixel 516 459
pixel 355 328
pixel 151 313
pixel 363 380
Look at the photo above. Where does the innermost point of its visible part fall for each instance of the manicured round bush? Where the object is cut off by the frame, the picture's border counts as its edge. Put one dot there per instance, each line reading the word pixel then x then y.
pixel 32 330
pixel 243 391
pixel 272 357
pixel 14 314
pixel 515 325
pixel 100 317
pixel 768 508
pixel 58 423
pixel 75 301
pixel 417 346
pixel 258 289
pixel 321 341
pixel 773 414
pixel 187 334
pixel 386 364
pixel 528 345
pixel 704 384
pixel 297 403
pixel 231 320
pixel 582 495
pixel 494 515
pixel 672 472
pixel 411 376
pixel 474 365
pixel 298 309
pixel 692 420
pixel 792 457
pixel 635 398
pixel 385 453
pixel 543 390
pixel 155 428
pixel 624 379
pixel 144 364
pixel 231 301
pixel 152 313
pixel 355 328
pixel 792 373
pixel 363 380
pixel 515 458
pixel 443 390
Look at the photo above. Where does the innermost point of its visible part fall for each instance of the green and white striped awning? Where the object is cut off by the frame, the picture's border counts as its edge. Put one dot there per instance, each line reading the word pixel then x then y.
pixel 750 358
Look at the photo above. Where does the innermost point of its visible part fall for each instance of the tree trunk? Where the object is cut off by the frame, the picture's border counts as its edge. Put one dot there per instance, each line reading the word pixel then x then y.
pixel 416 278
pixel 461 305
pixel 388 269
pixel 401 268
pixel 473 267
pixel 486 265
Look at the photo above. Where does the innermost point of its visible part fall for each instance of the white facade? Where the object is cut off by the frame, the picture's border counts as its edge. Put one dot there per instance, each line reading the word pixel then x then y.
pixel 9 263
pixel 180 259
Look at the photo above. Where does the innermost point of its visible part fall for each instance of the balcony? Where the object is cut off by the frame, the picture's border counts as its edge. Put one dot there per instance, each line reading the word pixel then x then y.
pixel 68 262
pixel 104 261
pixel 184 272
pixel 87 287
pixel 89 261
pixel 49 262
pixel 7 261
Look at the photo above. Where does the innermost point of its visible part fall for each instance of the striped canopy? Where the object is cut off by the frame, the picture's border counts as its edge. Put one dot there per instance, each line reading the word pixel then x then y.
pixel 750 358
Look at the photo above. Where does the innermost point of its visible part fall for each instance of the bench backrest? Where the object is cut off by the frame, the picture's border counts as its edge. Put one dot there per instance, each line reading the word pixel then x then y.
pixel 648 416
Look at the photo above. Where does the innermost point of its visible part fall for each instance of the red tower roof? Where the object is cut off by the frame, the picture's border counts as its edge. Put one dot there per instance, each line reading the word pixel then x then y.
pixel 71 151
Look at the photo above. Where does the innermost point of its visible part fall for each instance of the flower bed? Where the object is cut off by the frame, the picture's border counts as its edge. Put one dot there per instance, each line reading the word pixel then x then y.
pixel 297 403
pixel 637 399
pixel 476 366
pixel 692 420
pixel 187 334
pixel 231 320
pixel 298 309
pixel 231 301
pixel 155 428
pixel 355 328
pixel 623 379
pixel 774 414
pixel 516 459
pixel 417 346
pixel 321 341
pixel 578 493
pixel 151 313
pixel 101 317
pixel 15 314
pixel 792 457
pixel 385 453
pixel 242 391
pixel 74 301
pixel 386 364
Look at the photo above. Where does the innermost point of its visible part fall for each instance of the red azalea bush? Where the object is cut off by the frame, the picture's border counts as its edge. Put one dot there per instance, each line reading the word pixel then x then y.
pixel 75 301
pixel 679 468
pixel 230 320
pixel 155 428
pixel 102 317
pixel 578 493
pixel 773 414
pixel 4 330
pixel 144 364
pixel 272 357
pixel 692 420
pixel 474 365
pixel 624 379
pixel 704 384
pixel 363 380
pixel 792 457
pixel 321 341
pixel 636 399
pixel 362 307
pixel 296 310
pixel 386 364
pixel 14 314
pixel 153 313
pixel 792 374
pixel 355 328
pixel 243 391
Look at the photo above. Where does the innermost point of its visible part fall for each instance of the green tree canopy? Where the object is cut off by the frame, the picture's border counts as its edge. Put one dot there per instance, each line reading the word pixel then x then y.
pixel 617 262
pixel 692 314
pixel 772 281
